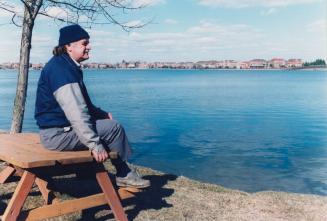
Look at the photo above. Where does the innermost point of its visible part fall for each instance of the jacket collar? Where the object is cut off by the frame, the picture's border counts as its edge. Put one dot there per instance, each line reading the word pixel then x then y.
pixel 71 61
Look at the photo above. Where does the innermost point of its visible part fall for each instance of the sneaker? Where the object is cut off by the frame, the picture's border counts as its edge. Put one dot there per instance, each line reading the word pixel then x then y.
pixel 133 179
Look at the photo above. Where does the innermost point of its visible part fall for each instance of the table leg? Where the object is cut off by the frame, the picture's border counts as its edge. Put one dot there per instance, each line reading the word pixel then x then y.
pixel 47 194
pixel 18 199
pixel 6 173
pixel 110 194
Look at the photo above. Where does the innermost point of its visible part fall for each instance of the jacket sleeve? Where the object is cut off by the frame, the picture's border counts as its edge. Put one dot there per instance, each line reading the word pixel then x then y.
pixel 95 112
pixel 71 101
pixel 98 113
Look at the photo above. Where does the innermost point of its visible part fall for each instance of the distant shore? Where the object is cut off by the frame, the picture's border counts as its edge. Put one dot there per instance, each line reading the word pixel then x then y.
pixel 215 69
pixel 254 64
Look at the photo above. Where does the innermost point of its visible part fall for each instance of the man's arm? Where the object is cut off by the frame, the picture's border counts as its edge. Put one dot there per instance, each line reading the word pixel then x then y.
pixel 98 113
pixel 71 100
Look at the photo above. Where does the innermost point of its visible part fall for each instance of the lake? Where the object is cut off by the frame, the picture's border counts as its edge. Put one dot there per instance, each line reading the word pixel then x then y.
pixel 250 130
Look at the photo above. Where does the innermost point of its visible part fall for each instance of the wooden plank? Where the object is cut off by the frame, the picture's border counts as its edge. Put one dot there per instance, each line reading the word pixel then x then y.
pixel 47 194
pixel 131 189
pixel 15 154
pixel 65 207
pixel 82 157
pixel 32 147
pixel 110 194
pixel 6 173
pixel 18 199
pixel 125 194
pixel 21 149
pixel 22 137
pixel 70 206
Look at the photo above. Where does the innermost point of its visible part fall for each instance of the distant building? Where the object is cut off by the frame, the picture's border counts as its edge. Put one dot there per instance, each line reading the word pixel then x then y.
pixel 277 63
pixel 91 65
pixel 210 64
pixel 201 64
pixel 258 64
pixel 243 65
pixel 37 66
pixel 10 65
pixel 142 65
pixel 294 63
pixel 220 64
pixel 130 65
pixel 186 65
pixel 230 64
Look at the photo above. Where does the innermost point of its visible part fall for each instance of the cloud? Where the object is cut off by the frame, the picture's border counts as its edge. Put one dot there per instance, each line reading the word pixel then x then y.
pixel 317 46
pixel 216 41
pixel 170 21
pixel 205 41
pixel 62 13
pixel 18 9
pixel 134 23
pixel 208 39
pixel 317 25
pixel 42 39
pixel 269 11
pixel 5 14
pixel 9 44
pixel 99 33
pixel 111 50
pixel 253 3
pixel 138 3
pixel 57 12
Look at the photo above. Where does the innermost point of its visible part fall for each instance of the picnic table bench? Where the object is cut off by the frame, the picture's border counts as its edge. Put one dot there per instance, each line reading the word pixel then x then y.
pixel 27 157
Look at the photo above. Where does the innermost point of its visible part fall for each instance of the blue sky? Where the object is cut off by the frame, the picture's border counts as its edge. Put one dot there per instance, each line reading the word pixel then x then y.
pixel 192 30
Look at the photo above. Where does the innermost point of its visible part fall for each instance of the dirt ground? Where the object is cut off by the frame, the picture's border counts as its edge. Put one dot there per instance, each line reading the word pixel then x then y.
pixel 178 198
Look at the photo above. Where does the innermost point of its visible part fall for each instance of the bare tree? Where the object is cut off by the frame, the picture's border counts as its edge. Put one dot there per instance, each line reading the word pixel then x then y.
pixel 83 12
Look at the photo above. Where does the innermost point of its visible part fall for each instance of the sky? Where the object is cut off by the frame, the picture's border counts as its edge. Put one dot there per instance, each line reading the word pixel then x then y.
pixel 190 30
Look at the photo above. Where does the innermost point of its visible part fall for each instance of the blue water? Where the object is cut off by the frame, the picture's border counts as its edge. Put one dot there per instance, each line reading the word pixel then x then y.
pixel 250 130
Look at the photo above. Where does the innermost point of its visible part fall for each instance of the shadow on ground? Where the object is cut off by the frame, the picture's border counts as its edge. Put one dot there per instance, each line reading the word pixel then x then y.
pixel 150 198
pixel 153 197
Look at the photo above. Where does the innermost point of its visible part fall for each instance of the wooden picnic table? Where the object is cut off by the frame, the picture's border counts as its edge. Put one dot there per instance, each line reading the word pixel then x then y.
pixel 27 157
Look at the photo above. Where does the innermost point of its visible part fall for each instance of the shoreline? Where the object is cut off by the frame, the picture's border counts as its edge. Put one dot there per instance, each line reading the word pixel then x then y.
pixel 173 197
pixel 216 182
pixel 209 69
pixel 195 69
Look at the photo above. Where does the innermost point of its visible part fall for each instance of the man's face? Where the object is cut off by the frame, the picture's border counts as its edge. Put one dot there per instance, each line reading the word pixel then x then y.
pixel 79 50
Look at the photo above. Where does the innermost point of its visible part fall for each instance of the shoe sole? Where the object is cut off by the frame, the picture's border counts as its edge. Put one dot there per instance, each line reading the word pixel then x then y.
pixel 132 186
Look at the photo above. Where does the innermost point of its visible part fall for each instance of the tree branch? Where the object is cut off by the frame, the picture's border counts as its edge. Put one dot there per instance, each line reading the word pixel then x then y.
pixel 28 8
pixel 117 4
pixel 84 8
pixel 36 8
pixel 7 9
pixel 14 13
pixel 13 20
pixel 77 9
pixel 49 16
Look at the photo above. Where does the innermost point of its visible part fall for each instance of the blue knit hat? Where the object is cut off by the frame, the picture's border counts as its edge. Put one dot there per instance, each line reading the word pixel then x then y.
pixel 72 33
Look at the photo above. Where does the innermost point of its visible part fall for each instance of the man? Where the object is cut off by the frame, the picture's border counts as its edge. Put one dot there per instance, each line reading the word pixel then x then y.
pixel 66 116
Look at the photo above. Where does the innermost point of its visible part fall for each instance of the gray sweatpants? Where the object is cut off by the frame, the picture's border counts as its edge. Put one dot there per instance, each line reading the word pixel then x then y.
pixel 112 136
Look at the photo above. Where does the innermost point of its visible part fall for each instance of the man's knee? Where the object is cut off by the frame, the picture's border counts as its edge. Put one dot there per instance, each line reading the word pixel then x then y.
pixel 119 129
pixel 108 126
pixel 117 126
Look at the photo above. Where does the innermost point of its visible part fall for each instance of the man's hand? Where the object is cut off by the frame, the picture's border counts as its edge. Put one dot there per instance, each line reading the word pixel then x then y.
pixel 100 156
pixel 110 116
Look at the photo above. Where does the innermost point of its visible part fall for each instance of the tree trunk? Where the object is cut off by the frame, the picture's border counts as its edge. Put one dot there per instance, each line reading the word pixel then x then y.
pixel 31 9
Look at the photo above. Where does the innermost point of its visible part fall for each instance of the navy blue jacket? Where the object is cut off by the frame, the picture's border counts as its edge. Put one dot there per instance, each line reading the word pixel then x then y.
pixel 58 72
